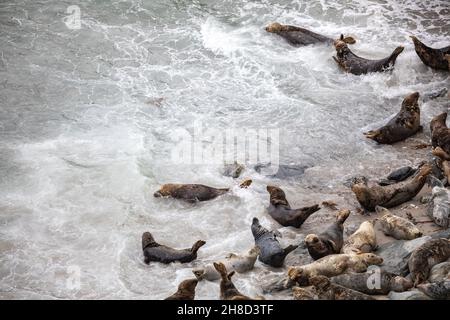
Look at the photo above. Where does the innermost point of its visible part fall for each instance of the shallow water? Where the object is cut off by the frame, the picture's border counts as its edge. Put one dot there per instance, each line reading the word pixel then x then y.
pixel 86 120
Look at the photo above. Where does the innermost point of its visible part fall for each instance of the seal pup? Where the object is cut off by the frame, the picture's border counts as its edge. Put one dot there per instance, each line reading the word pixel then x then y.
pixel 440 134
pixel 392 195
pixel 186 290
pixel 351 63
pixel 331 240
pixel 426 256
pixel 373 282
pixel 395 226
pixel 438 290
pixel 227 289
pixel 193 192
pixel 271 252
pixel 154 251
pixel 297 36
pixel 362 240
pixel 280 210
pixel 403 125
pixel 434 58
pixel 327 290
pixel 233 262
pixel 438 208
pixel 333 265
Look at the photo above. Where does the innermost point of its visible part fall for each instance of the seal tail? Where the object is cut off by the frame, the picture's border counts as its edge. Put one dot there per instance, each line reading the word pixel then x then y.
pixel 373 134
pixel 197 245
pixel 342 215
pixel 289 249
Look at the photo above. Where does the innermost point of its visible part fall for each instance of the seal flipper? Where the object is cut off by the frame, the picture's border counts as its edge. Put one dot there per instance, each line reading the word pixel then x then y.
pixel 395 54
pixel 289 249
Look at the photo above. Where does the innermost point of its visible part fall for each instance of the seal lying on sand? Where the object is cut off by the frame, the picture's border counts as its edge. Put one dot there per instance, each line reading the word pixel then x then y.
pixel 271 252
pixel 439 290
pixel 397 227
pixel 362 240
pixel 227 289
pixel 331 240
pixel 426 256
pixel 326 290
pixel 392 195
pixel 440 133
pixel 154 251
pixel 333 265
pixel 297 36
pixel 233 262
pixel 434 58
pixel 350 62
pixel 403 125
pixel 280 210
pixel 193 192
pixel 374 282
pixel 186 290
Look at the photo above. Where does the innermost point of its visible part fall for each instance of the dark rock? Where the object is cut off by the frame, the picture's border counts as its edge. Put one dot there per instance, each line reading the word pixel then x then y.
pixel 233 170
pixel 284 171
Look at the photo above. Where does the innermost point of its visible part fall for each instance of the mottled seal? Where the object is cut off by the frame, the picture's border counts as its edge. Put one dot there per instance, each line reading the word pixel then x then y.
pixel 233 262
pixel 326 290
pixel 331 240
pixel 438 208
pixel 374 282
pixel 351 63
pixel 186 290
pixel 154 251
pixel 362 240
pixel 193 192
pixel 426 256
pixel 280 210
pixel 440 133
pixel 298 36
pixel 440 272
pixel 392 195
pixel 438 290
pixel 300 293
pixel 271 252
pixel 333 265
pixel 403 125
pixel 434 58
pixel 227 289
pixel 395 226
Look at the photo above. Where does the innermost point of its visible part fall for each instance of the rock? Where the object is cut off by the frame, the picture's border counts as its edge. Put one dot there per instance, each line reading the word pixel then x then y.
pixel 396 254
pixel 284 171
pixel 440 272
pixel 351 228
pixel 299 256
pixel 233 170
pixel 408 295
pixel 434 94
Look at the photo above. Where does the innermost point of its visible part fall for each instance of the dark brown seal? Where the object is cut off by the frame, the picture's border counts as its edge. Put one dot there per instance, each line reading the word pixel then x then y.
pixel 280 210
pixel 426 256
pixel 392 195
pixel 154 251
pixel 194 192
pixel 227 289
pixel 186 290
pixel 403 125
pixel 331 240
pixel 434 58
pixel 440 133
pixel 326 290
pixel 298 36
pixel 350 62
